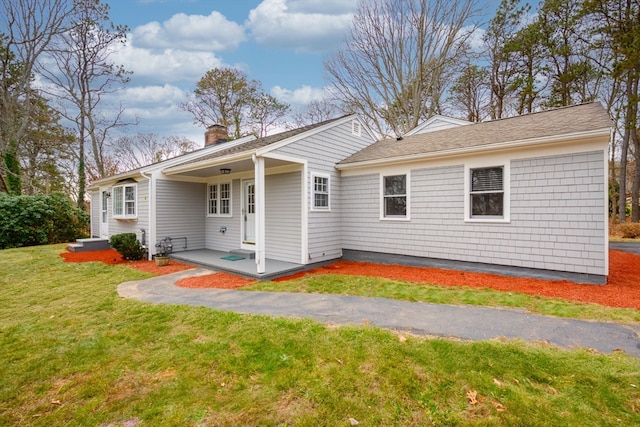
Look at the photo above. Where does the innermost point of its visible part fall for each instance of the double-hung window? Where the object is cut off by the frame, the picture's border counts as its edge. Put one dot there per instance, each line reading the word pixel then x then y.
pixel 321 193
pixel 213 199
pixel 125 200
pixel 394 197
pixel 219 199
pixel 487 193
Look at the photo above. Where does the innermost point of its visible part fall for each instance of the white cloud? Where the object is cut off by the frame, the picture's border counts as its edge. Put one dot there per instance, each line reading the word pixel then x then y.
pixel 166 66
pixel 322 6
pixel 191 32
pixel 301 25
pixel 166 94
pixel 302 95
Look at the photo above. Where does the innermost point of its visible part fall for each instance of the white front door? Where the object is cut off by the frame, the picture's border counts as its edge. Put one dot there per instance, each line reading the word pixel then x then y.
pixel 104 215
pixel 249 213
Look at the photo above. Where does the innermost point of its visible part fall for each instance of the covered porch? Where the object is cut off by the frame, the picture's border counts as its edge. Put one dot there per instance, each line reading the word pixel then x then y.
pixel 236 263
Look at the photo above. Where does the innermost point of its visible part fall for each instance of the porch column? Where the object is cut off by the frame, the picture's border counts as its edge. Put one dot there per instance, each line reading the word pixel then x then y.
pixel 260 214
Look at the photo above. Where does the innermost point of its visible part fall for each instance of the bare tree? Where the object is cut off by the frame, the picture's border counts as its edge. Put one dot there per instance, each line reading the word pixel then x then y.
pixel 315 112
pixel 132 152
pixel 392 67
pixel 82 74
pixel 29 27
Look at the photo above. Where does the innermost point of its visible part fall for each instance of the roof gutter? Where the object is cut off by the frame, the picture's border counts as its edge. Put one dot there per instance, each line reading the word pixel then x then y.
pixel 207 163
pixel 508 145
pixel 115 178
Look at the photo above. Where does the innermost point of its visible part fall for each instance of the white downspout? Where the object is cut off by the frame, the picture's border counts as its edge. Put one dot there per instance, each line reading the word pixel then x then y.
pixel 151 232
pixel 260 213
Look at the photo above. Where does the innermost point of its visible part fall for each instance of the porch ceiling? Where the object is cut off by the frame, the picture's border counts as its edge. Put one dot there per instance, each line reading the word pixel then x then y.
pixel 245 165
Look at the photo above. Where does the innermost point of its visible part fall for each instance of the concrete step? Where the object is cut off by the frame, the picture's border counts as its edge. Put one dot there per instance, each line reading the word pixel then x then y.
pixel 91 244
pixel 244 252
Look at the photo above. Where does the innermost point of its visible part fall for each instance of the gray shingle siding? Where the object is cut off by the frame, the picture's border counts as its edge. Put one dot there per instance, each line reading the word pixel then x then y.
pixel 557 216
pixel 180 212
pixel 322 152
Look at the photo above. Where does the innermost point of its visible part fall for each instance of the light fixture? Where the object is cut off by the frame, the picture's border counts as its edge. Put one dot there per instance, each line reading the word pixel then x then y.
pixel 225 171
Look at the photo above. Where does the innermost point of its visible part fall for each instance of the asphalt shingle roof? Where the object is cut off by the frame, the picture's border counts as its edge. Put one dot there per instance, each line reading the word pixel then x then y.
pixel 557 122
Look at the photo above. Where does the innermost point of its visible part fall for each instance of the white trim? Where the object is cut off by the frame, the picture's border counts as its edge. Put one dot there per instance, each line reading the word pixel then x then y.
pixel 218 185
pixel 124 214
pixel 104 212
pixel 512 154
pixel 356 128
pixel 506 182
pixel 283 143
pixel 605 159
pixel 407 174
pixel 260 197
pixel 244 244
pixel 304 244
pixel 312 189
pixel 451 121
pixel 154 167
pixel 151 226
pixel 584 138
pixel 217 161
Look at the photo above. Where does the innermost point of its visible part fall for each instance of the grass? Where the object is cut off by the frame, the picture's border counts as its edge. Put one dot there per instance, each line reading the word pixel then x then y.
pixel 409 291
pixel 74 353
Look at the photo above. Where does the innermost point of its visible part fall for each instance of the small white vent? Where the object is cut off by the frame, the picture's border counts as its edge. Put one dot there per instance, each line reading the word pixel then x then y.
pixel 356 128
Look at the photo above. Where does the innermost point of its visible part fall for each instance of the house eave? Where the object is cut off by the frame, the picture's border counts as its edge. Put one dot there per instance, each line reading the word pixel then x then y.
pixel 190 167
pixel 138 173
pixel 486 148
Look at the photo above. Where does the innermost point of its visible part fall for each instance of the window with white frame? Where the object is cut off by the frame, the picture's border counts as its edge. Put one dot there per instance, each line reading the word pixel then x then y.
pixel 219 199
pixel 321 189
pixel 487 192
pixel 212 201
pixel 225 199
pixel 394 196
pixel 125 200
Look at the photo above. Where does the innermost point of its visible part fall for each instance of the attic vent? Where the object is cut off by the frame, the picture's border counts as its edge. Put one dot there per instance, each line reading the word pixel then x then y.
pixel 356 128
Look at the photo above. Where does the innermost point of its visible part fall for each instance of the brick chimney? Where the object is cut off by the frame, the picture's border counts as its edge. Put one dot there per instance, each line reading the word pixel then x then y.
pixel 215 134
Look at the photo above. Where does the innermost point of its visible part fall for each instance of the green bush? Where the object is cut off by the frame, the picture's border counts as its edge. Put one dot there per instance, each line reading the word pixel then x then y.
pixel 630 230
pixel 40 220
pixel 128 245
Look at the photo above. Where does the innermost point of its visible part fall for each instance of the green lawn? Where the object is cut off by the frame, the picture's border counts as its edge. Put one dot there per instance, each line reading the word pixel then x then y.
pixel 72 352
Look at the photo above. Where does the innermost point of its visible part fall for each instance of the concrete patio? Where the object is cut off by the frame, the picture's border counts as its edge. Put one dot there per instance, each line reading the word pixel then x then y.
pixel 210 259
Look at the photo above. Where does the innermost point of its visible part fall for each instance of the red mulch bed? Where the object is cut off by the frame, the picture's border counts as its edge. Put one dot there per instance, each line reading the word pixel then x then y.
pixel 220 280
pixel 111 256
pixel 622 289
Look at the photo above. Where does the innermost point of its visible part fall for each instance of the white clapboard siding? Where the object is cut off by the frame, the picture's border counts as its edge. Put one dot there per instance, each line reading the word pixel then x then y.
pixel 283 217
pixel 180 212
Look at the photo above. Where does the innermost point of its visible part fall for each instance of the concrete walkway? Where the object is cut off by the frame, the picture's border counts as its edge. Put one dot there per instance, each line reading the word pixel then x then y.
pixel 464 322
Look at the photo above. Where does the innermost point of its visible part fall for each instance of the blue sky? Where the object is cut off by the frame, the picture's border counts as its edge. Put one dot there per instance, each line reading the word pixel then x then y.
pixel 172 43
